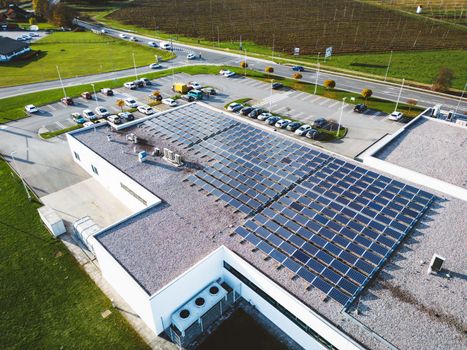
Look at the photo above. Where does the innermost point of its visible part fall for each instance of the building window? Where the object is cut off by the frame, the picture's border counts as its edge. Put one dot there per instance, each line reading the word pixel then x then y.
pixel 133 194
pixel 279 307
pixel 94 170
pixel 76 156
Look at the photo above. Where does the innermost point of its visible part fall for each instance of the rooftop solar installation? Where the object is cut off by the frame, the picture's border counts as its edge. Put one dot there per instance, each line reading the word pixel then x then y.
pixel 329 221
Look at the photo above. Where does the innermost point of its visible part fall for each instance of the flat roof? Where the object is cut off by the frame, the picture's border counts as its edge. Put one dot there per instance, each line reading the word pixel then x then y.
pixel 431 147
pixel 158 245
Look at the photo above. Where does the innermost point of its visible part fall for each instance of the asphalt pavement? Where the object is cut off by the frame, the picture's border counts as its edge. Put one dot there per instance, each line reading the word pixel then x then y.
pixel 209 56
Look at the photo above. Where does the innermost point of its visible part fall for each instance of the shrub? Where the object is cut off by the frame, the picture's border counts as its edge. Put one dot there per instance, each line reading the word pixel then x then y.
pixel 269 69
pixel 366 93
pixel 329 84
pixel 297 76
pixel 244 64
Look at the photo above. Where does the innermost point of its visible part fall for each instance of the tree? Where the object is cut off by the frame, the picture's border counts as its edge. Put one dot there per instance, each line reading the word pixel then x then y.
pixel 244 64
pixel 412 103
pixel 366 93
pixel 121 104
pixel 443 81
pixel 329 84
pixel 62 15
pixel 32 21
pixel 41 8
pixel 269 69
pixel 297 76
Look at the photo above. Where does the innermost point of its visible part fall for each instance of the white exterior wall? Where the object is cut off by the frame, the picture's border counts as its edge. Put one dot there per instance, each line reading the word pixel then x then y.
pixel 110 177
pixel 124 284
pixel 165 301
pixel 292 304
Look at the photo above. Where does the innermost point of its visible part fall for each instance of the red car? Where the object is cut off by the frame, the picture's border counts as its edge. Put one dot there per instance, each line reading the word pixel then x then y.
pixel 86 95
pixel 67 101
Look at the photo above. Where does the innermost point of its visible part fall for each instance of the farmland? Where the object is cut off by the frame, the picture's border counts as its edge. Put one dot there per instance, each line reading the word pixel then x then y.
pixel 347 25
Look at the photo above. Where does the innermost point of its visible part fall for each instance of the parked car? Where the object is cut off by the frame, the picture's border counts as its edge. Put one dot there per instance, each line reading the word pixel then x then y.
pixel 293 126
pixel 130 85
pixel 255 113
pixel 139 83
pixel 155 66
pixel 115 119
pixel 107 91
pixel 187 98
pixel 132 38
pixel 86 124
pixel 123 36
pixel 68 101
pixel 146 110
pixel 228 74
pixel 197 94
pixel 89 115
pixel 234 107
pixel 77 118
pixel 272 120
pixel 319 123
pixel 209 91
pixel 130 102
pixel 277 86
pixel 126 116
pixel 103 31
pixel 194 85
pixel 282 123
pixel 31 109
pixel 145 81
pixel 169 102
pixel 298 68
pixel 396 116
pixel 152 44
pixel 264 116
pixel 86 95
pixel 102 112
pixel 302 130
pixel 166 46
pixel 155 97
pixel 313 134
pixel 360 108
pixel 246 110
pixel 181 88
pixel 190 56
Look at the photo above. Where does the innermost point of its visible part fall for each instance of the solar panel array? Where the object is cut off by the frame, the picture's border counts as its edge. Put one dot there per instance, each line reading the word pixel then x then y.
pixel 189 125
pixel 329 221
pixel 252 168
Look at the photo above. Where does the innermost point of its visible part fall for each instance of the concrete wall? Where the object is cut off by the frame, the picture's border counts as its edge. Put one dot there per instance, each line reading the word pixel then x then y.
pixel 124 284
pixel 110 177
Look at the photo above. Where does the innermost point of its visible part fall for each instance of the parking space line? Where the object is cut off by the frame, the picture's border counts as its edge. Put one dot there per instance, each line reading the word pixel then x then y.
pixel 52 107
pixel 334 104
pixel 60 125
pixel 324 101
pixel 316 98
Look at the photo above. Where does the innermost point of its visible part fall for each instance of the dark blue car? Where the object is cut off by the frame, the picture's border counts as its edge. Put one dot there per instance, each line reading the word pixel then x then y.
pixel 298 68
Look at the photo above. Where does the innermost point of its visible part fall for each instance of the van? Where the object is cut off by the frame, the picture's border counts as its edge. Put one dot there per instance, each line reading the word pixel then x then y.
pixel 180 88
pixel 196 94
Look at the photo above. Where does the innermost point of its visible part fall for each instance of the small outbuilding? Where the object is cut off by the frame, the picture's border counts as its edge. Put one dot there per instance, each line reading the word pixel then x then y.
pixel 10 48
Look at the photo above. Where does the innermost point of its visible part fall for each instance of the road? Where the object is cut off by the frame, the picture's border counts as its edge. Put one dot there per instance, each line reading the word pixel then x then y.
pixel 209 56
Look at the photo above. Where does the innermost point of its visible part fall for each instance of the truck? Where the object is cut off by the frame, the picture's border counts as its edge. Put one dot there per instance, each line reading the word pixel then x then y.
pixel 180 88
pixel 197 94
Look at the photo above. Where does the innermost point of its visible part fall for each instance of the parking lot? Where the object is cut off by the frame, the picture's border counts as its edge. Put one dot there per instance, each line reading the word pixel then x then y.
pixel 17 33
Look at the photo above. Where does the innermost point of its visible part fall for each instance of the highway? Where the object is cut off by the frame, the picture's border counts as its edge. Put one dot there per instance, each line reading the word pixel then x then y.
pixel 210 56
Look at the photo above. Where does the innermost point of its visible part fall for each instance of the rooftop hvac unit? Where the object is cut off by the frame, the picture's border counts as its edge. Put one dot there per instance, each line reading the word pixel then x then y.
pixel 84 229
pixel 142 156
pixel 166 153
pixel 178 159
pixel 51 219
pixel 436 263
pixel 197 306
pixel 170 155
pixel 156 151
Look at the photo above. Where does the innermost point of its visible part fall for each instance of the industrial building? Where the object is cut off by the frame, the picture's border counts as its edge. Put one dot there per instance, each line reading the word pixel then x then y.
pixel 319 244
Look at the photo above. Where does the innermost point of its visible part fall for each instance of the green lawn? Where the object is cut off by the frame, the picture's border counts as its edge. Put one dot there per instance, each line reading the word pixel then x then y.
pixel 50 134
pixel 76 54
pixel 47 301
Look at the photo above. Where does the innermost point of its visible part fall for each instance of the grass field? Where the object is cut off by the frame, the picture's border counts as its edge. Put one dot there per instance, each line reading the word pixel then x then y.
pixel 76 54
pixel 12 108
pixel 47 301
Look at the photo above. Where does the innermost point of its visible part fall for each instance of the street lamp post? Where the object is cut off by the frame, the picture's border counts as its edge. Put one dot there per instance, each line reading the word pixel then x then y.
pixel 316 81
pixel 460 98
pixel 134 65
pixel 387 69
pixel 61 82
pixel 244 69
pixel 19 174
pixel 95 95
pixel 399 97
pixel 270 96
pixel 340 117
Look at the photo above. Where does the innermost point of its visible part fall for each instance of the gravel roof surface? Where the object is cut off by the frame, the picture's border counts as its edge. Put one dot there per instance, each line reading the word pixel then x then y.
pixel 433 148
pixel 159 244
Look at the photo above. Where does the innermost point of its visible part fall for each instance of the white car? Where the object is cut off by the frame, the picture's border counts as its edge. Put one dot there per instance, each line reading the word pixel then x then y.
pixel 146 110
pixel 132 38
pixel 130 102
pixel 123 36
pixel 302 130
pixel 89 115
pixel 169 102
pixel 166 46
pixel 115 119
pixel 282 123
pixel 227 73
pixel 190 56
pixel 103 31
pixel 264 116
pixel 195 85
pixel 396 116
pixel 87 124
pixel 130 85
pixel 152 44
pixel 102 112
pixel 34 35
pixel 155 66
pixel 31 109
